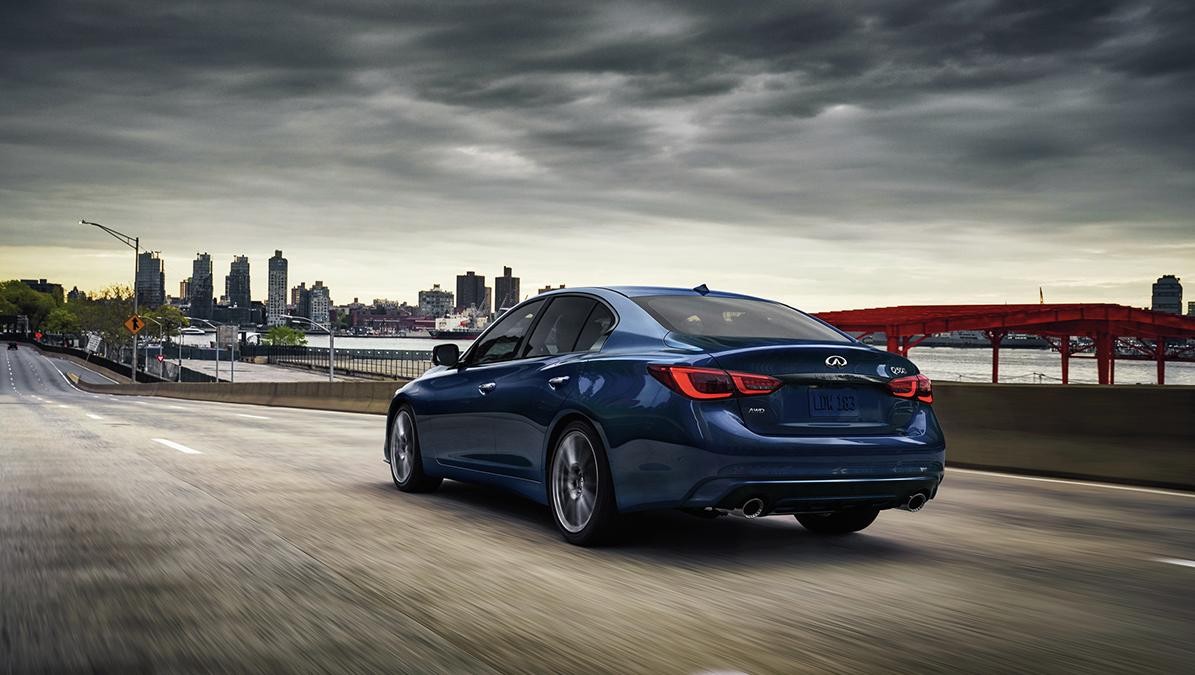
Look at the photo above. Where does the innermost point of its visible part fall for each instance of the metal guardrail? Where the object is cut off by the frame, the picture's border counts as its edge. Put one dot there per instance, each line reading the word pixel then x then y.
pixel 391 364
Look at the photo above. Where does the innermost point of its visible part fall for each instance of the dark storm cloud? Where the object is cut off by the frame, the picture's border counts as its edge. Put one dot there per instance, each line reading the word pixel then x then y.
pixel 781 116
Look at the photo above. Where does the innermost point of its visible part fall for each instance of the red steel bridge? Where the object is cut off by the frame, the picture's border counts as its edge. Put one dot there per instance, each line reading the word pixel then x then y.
pixel 1147 334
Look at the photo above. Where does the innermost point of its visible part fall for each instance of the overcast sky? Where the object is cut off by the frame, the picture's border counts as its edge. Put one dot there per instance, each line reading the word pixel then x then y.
pixel 833 155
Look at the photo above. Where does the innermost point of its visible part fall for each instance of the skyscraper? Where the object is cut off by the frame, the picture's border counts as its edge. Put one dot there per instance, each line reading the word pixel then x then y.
pixel 470 291
pixel 300 299
pixel 321 303
pixel 1168 295
pixel 201 286
pixel 151 279
pixel 506 290
pixel 276 299
pixel 236 284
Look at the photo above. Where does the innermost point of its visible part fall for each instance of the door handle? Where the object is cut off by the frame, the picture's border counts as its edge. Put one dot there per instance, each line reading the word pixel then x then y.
pixel 557 382
pixel 487 387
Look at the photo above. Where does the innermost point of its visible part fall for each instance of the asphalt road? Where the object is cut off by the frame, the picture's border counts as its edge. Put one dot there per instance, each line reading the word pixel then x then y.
pixel 146 534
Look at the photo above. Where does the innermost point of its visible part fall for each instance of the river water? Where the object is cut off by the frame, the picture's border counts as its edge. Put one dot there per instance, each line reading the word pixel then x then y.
pixel 1018 366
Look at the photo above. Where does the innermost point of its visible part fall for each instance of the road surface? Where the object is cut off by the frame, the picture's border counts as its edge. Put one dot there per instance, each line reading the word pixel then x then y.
pixel 142 534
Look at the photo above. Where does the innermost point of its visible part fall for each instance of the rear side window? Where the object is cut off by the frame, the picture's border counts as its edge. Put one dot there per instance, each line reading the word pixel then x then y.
pixel 734 318
pixel 558 328
pixel 597 325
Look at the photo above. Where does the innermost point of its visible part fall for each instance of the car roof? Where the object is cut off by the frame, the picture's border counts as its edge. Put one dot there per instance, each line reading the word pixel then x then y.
pixel 641 291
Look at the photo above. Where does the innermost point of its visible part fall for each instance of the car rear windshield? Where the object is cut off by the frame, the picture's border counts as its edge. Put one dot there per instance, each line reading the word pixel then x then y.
pixel 734 318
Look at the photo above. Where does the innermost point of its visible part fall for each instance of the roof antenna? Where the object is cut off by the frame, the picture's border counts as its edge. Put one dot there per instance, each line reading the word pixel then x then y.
pixel 703 289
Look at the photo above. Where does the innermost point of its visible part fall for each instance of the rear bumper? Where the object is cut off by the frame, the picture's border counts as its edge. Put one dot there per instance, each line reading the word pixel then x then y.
pixel 723 464
pixel 812 496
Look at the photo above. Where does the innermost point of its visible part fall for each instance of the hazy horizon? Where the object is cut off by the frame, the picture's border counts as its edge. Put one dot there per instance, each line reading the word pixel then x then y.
pixel 831 155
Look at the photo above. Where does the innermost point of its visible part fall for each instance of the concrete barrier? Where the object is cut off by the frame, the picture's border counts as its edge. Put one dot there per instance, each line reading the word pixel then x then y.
pixel 1142 435
pixel 359 397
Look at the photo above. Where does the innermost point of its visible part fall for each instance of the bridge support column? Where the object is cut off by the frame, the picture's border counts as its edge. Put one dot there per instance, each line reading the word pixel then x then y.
pixel 1160 354
pixel 995 337
pixel 1103 357
pixel 1064 348
pixel 893 341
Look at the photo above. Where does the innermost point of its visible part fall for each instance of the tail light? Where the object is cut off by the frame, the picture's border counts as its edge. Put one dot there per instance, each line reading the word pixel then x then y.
pixel 713 383
pixel 913 386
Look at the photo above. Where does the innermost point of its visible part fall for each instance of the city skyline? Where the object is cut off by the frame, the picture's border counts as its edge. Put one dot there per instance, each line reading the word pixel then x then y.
pixel 799 151
pixel 1144 296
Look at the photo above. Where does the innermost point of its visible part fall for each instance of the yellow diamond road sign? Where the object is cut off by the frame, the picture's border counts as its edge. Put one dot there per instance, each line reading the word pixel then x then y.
pixel 134 324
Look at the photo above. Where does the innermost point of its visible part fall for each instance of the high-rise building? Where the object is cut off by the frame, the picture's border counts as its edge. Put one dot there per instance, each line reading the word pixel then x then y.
pixel 300 299
pixel 276 298
pixel 506 290
pixel 184 289
pixel 470 291
pixel 236 284
pixel 435 301
pixel 547 288
pixel 201 286
pixel 150 281
pixel 1168 295
pixel 296 294
pixel 321 303
pixel 1191 308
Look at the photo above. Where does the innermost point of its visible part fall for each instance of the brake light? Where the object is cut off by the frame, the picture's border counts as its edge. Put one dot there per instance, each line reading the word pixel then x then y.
pixel 713 383
pixel 913 386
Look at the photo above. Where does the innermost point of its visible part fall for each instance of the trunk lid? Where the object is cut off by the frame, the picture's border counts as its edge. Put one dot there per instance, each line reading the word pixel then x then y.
pixel 829 388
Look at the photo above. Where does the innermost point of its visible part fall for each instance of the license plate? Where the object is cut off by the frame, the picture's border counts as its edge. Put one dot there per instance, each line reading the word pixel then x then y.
pixel 841 403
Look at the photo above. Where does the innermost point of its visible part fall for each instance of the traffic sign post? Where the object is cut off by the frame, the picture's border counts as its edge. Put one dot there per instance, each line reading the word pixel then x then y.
pixel 226 335
pixel 93 345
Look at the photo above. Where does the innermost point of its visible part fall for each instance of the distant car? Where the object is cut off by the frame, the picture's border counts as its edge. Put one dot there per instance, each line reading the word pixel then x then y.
pixel 12 345
pixel 601 401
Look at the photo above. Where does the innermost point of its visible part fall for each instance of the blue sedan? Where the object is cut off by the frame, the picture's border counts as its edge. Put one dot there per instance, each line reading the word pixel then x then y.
pixel 602 401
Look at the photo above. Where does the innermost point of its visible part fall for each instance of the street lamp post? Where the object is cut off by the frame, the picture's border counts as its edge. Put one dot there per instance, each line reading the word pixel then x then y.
pixel 331 342
pixel 135 243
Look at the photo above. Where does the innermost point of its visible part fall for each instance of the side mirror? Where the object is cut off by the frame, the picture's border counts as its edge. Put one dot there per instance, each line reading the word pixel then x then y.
pixel 446 355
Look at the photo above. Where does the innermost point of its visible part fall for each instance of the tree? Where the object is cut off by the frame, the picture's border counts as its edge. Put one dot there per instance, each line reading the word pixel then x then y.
pixel 105 312
pixel 17 298
pixel 170 317
pixel 285 336
pixel 61 320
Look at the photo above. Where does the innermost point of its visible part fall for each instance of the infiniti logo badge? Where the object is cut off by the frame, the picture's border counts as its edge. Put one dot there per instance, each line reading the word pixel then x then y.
pixel 836 361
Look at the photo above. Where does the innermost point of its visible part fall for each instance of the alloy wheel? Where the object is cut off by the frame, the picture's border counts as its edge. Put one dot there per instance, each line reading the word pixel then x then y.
pixel 574 481
pixel 402 447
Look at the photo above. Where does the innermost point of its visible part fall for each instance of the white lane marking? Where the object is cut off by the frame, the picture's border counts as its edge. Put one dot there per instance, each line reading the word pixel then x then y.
pixel 94 416
pixel 177 446
pixel 1063 481
pixel 253 417
pixel 1176 561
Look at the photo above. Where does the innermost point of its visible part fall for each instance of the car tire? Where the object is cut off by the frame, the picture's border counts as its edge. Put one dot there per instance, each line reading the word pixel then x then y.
pixel 406 462
pixel 580 487
pixel 838 522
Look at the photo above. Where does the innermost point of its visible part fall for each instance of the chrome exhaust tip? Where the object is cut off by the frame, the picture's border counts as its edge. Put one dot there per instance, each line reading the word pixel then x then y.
pixel 753 508
pixel 916 502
